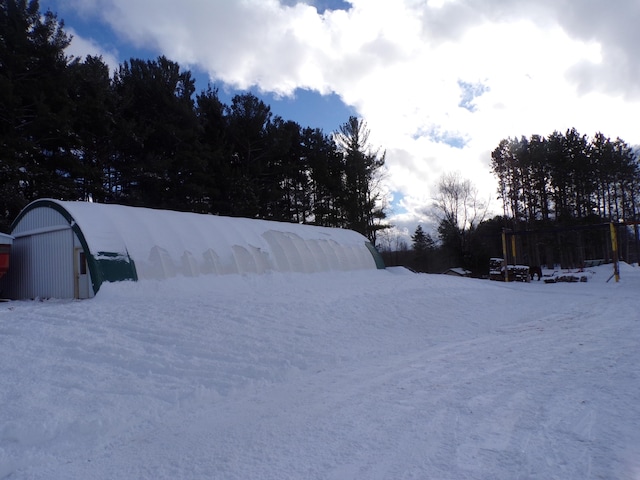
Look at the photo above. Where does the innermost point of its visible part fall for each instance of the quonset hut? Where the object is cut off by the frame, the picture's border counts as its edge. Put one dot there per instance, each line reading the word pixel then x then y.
pixel 68 249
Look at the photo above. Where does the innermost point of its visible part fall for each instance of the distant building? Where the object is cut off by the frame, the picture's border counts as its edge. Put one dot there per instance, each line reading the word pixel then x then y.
pixel 457 272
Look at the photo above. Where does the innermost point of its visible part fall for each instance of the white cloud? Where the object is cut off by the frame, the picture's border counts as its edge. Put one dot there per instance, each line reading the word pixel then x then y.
pixel 403 65
pixel 80 47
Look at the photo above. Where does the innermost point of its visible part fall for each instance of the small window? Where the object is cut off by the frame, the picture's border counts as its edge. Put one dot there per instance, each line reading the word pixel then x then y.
pixel 83 264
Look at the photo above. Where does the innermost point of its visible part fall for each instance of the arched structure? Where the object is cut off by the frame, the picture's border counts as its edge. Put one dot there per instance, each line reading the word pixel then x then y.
pixel 68 249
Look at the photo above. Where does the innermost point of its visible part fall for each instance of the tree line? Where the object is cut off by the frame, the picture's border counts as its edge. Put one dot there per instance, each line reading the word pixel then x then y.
pixel 143 136
pixel 566 179
pixel 559 194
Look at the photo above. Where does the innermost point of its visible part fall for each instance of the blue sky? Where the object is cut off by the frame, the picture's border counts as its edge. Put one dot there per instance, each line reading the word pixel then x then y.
pixel 439 82
pixel 307 107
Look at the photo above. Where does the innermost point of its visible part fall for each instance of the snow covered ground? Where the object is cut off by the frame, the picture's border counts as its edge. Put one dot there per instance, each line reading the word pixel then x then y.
pixel 361 375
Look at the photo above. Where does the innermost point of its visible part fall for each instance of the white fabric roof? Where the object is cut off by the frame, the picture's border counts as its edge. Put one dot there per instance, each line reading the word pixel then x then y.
pixel 165 243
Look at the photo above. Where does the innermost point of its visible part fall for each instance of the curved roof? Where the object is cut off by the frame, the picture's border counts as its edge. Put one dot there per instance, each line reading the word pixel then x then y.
pixel 144 243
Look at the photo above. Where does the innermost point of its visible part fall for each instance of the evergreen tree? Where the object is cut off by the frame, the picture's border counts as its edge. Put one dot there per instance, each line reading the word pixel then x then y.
pixel 325 171
pixel 288 183
pixel 36 142
pixel 361 200
pixel 158 155
pixel 249 121
pixel 422 245
pixel 93 128
pixel 216 151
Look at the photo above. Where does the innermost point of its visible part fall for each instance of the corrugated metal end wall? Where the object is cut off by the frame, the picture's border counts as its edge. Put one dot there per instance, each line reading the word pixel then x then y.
pixel 42 259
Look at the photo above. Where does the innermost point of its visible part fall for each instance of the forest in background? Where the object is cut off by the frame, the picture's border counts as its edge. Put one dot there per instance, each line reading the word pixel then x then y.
pixel 559 193
pixel 144 137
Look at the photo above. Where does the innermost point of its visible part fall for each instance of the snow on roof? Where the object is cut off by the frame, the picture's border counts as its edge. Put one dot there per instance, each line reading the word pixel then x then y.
pixel 458 271
pixel 164 243
pixel 5 239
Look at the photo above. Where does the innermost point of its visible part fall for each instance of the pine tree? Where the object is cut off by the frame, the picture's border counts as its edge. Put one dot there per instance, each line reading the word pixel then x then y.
pixel 287 187
pixel 324 162
pixel 36 143
pixel 93 127
pixel 249 120
pixel 422 245
pixel 361 200
pixel 157 145
pixel 419 239
pixel 216 149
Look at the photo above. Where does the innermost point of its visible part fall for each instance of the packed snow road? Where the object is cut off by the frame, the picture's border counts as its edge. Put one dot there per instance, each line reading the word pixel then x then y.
pixel 326 376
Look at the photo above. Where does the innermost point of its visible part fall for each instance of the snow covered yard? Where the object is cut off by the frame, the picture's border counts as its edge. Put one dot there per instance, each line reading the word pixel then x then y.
pixel 361 375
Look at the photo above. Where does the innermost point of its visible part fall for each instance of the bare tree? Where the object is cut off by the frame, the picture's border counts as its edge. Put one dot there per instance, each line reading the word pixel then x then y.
pixel 458 211
pixel 457 204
